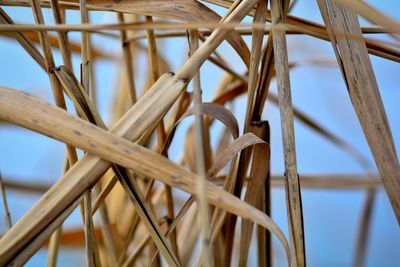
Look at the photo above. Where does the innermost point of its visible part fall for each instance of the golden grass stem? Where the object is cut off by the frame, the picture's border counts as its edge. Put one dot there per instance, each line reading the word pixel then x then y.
pixel 113 148
pixel 256 46
pixel 5 204
pixel 191 66
pixel 243 32
pixel 128 63
pixel 62 36
pixel 374 47
pixel 104 193
pixel 363 90
pixel 365 228
pixel 24 41
pixel 66 56
pixel 126 173
pixel 21 257
pixel 200 147
pixel 316 181
pixel 133 256
pixel 55 84
pixel 295 213
pixel 255 187
pixel 92 254
pixel 161 135
pixel 88 111
pixel 49 60
pixel 54 245
pixel 133 124
pixel 54 242
pixel 85 74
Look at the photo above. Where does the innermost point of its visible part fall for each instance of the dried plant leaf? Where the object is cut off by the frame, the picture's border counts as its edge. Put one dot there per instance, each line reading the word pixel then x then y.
pixel 295 213
pixel 229 154
pixel 184 10
pixel 127 168
pixel 364 93
pixel 23 40
pixel 255 186
pixel 132 125
pixel 110 147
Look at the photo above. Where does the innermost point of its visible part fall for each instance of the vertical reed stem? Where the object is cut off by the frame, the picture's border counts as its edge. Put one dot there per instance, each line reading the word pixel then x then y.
pixel 200 146
pixel 295 214
pixel 5 205
pixel 161 135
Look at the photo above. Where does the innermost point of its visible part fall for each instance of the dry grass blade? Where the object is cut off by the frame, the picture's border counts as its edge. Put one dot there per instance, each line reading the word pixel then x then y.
pixel 364 94
pixel 201 156
pixel 85 73
pixel 79 96
pixel 132 257
pixel 54 245
pixel 220 113
pixel 33 188
pixel 371 14
pixel 183 105
pixel 318 31
pixel 54 241
pixel 49 63
pixel 257 40
pixel 189 69
pixel 88 111
pixel 264 239
pixel 243 32
pixel 363 233
pixel 76 237
pixel 92 257
pixel 212 110
pixel 23 40
pixel 112 180
pixel 31 38
pixel 62 36
pixel 154 74
pixel 223 115
pixel 187 11
pixel 295 214
pixel 229 154
pixel 55 85
pixel 253 91
pixel 141 161
pixel 215 111
pixel 374 47
pixel 127 58
pixel 5 205
pixel 325 181
pixel 191 66
pixel 240 88
pixel 333 182
pixel 66 56
pixel 231 184
pixel 343 181
pixel 132 125
pixel 110 147
pixel 255 187
pixel 35 244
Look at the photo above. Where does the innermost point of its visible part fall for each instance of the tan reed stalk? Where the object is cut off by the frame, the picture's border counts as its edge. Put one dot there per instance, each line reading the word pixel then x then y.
pixel 126 177
pixel 5 204
pixel 295 213
pixel 201 158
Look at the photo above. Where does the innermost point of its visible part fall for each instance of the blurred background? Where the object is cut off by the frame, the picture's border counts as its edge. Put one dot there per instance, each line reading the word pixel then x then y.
pixel 331 216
